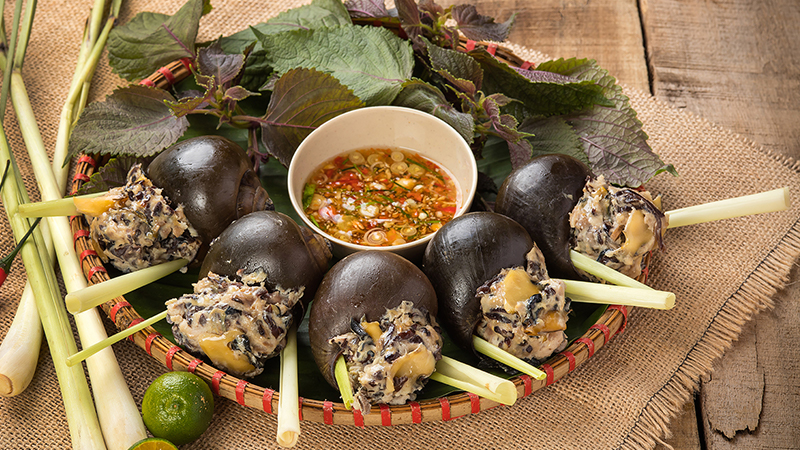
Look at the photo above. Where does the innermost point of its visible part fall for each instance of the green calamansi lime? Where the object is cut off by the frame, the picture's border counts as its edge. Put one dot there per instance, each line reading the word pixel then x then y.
pixel 153 444
pixel 178 406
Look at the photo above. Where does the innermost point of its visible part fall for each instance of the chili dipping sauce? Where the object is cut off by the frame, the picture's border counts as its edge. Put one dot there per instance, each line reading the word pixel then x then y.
pixel 380 197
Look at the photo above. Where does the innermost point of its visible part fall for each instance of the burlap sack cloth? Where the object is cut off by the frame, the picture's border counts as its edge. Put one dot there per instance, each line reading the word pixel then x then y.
pixel 623 397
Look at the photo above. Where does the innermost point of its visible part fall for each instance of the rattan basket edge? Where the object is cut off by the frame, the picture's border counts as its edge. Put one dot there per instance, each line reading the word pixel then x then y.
pixel 123 315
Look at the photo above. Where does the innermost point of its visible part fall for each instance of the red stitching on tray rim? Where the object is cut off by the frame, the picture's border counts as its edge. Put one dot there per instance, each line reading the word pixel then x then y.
pixel 80 234
pixel 167 74
pixel 526 65
pixel 358 418
pixel 94 270
pixel 300 407
pixel 571 358
pixel 551 377
pixel 266 400
pixel 474 403
pixel 327 412
pixel 88 160
pixel 215 381
pixel 86 253
pixel 147 82
pixel 606 332
pixel 624 311
pixel 170 353
pixel 588 343
pixel 134 322
pixel 148 342
pixel 445 408
pixel 470 45
pixel 80 176
pixel 416 412
pixel 187 63
pixel 527 383
pixel 492 49
pixel 240 387
pixel 386 415
pixel 115 309
pixel 193 365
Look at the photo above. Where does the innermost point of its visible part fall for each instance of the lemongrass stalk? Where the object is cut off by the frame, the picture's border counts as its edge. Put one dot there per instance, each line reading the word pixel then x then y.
pixel 55 208
pixel 603 272
pixel 764 202
pixel 288 403
pixel 467 378
pixel 87 63
pixel 119 415
pixel 87 298
pixel 19 352
pixel 11 47
pixel 606 294
pixel 77 399
pixel 80 356
pixel 498 354
pixel 343 381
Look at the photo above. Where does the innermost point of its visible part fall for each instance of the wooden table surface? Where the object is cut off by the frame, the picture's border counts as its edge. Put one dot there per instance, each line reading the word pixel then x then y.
pixel 735 63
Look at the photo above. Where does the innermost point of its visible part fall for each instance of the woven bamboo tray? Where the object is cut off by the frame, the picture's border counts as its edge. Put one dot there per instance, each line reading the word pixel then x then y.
pixel 611 323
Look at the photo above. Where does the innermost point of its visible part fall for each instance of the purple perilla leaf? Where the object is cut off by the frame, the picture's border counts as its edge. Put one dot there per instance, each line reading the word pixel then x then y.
pixel 217 68
pixel 303 99
pixel 423 96
pixel 133 120
pixel 481 28
pixel 367 8
pixel 457 67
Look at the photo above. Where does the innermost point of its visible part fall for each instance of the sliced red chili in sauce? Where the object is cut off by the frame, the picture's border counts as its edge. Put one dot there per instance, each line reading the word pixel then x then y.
pixel 380 196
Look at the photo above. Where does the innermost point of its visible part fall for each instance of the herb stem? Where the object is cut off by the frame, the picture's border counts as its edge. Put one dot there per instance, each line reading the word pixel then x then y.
pixel 118 414
pixel 79 408
pixel 288 401
pixel 465 377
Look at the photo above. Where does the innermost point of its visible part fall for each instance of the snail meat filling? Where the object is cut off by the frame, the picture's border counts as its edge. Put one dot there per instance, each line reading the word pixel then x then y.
pixel 524 312
pixel 390 360
pixel 617 226
pixel 237 326
pixel 134 227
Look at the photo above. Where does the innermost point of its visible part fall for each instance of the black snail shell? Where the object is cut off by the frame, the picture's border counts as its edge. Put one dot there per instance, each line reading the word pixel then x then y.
pixel 464 254
pixel 265 270
pixel 539 196
pixel 364 284
pixel 212 178
pixel 289 256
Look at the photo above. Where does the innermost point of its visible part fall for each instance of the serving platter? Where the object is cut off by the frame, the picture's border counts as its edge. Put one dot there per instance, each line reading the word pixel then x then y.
pixel 590 328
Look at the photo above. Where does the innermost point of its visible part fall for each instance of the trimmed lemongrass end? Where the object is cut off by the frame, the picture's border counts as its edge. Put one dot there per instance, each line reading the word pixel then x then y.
pixel 764 202
pixel 54 208
pixel 603 272
pixel 498 354
pixel 467 378
pixel 113 339
pixel 19 352
pixel 343 381
pixel 288 403
pixel 97 294
pixel 606 294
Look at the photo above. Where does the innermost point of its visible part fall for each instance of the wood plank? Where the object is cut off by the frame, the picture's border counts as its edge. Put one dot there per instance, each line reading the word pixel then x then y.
pixel 774 338
pixel 734 62
pixel 608 31
pixel 731 399
pixel 685 433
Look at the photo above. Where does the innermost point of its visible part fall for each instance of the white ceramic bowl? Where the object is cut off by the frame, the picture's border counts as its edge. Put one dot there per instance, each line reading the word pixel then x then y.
pixel 387 127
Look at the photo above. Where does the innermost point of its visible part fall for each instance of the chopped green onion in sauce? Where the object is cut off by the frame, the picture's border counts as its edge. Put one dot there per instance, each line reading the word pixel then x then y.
pixel 380 197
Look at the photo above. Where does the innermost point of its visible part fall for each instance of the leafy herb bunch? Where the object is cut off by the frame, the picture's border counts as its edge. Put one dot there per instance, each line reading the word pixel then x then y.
pixel 280 79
